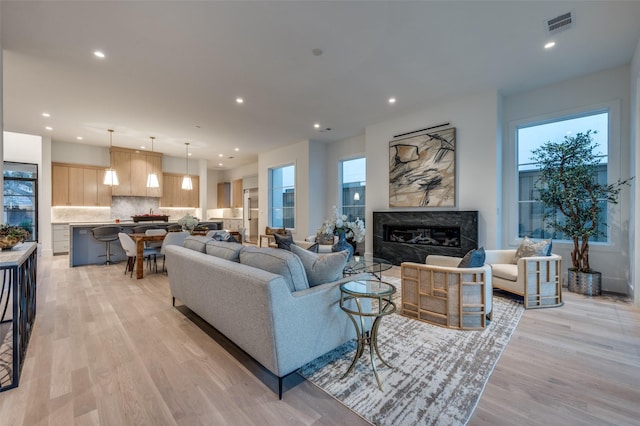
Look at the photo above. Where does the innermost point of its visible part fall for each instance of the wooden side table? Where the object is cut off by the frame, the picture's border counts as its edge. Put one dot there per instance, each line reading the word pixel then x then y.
pixel 380 294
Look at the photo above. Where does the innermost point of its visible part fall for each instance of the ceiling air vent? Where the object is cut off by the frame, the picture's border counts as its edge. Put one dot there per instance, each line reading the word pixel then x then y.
pixel 560 23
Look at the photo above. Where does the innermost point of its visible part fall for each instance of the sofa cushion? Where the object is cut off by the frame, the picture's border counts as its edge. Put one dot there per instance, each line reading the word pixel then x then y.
pixel 321 268
pixel 506 271
pixel 530 248
pixel 473 259
pixel 225 250
pixel 277 261
pixel 196 242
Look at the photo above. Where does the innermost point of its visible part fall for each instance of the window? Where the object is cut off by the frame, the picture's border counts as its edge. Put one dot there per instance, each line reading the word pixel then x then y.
pixel 531 136
pixel 353 187
pixel 282 200
pixel 21 196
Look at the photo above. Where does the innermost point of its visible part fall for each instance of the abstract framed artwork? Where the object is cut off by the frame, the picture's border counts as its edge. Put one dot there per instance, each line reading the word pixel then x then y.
pixel 422 169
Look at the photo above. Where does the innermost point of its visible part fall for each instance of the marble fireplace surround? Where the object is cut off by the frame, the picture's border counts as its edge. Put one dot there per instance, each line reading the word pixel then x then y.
pixel 462 226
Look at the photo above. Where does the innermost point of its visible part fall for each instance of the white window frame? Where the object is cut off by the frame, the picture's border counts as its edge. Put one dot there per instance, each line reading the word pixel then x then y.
pixel 511 185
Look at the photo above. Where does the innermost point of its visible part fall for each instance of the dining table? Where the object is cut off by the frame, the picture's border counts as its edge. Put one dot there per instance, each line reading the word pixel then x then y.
pixel 140 239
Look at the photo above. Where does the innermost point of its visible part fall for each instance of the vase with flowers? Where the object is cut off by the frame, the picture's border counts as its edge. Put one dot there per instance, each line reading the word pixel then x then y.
pixel 349 232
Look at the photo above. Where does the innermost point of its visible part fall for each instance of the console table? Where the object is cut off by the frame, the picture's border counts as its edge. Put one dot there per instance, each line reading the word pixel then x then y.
pixel 18 270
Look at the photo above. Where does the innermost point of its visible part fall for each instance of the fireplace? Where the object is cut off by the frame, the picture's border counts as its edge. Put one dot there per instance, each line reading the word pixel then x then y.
pixel 411 236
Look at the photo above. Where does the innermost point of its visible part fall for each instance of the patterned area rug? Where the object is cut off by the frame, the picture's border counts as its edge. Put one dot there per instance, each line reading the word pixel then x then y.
pixel 438 375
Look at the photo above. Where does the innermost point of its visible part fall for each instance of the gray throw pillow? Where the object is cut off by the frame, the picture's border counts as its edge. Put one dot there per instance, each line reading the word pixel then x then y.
pixel 277 261
pixel 473 259
pixel 284 241
pixel 222 236
pixel 321 268
pixel 225 250
pixel 530 248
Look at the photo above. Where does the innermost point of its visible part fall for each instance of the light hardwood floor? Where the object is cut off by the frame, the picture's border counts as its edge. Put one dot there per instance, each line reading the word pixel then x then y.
pixel 111 350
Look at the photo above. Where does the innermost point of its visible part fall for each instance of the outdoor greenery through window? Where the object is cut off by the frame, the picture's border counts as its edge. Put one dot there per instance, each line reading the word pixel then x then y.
pixel 353 174
pixel 282 197
pixel 531 137
pixel 21 196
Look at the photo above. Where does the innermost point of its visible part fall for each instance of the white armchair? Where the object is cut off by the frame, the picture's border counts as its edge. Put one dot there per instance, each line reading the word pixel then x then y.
pixel 537 279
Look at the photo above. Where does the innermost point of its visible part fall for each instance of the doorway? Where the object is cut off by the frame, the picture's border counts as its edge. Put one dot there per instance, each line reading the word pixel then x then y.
pixel 250 214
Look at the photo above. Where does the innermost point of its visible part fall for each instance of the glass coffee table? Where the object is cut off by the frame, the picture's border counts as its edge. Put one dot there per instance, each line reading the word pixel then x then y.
pixel 367 299
pixel 366 263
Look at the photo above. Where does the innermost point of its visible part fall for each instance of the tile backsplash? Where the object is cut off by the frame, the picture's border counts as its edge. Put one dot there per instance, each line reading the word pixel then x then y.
pixel 121 208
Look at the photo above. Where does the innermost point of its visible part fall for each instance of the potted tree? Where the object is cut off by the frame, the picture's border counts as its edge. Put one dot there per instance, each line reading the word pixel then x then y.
pixel 573 200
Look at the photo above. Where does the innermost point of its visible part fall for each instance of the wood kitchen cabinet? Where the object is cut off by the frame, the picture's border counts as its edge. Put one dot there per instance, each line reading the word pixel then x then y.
pixel 78 185
pixel 174 196
pixel 133 167
pixel 224 195
pixel 236 187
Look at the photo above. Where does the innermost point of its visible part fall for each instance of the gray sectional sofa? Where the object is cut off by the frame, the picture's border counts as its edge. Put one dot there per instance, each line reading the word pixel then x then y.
pixel 261 300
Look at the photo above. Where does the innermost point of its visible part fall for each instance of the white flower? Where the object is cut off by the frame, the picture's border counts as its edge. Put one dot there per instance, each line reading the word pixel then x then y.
pixel 338 223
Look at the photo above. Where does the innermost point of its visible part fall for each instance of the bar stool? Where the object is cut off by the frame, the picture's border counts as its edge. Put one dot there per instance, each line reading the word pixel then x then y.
pixel 106 234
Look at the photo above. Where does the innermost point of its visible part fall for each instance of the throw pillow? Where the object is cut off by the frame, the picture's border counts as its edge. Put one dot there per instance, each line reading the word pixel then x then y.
pixel 321 268
pixel 313 248
pixel 280 262
pixel 284 241
pixel 473 259
pixel 222 236
pixel 530 248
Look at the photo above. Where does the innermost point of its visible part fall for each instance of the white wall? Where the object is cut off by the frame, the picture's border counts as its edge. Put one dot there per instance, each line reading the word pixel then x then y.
pixel 610 87
pixel 477 171
pixel 76 153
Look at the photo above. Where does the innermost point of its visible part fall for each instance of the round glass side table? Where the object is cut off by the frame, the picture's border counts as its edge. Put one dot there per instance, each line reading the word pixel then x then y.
pixel 372 299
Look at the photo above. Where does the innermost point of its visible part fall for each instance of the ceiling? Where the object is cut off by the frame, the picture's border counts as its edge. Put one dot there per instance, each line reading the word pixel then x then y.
pixel 173 69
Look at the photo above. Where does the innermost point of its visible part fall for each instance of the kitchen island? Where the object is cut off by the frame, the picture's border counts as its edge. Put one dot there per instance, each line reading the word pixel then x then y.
pixel 84 250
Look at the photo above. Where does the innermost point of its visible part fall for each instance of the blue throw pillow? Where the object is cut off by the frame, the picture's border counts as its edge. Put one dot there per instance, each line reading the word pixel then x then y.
pixel 473 259
pixel 284 241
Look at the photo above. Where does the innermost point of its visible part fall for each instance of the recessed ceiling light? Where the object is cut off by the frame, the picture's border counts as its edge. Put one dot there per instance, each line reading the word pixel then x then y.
pixel 239 100
pixel 392 100
pixel 550 45
pixel 49 128
pixel 46 114
pixel 317 125
pixel 79 138
pixel 99 54
pixel 220 155
pixel 143 147
pixel 219 164
pixel 236 149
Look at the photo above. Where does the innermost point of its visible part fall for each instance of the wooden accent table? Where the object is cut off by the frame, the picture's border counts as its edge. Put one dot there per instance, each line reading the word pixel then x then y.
pixel 140 239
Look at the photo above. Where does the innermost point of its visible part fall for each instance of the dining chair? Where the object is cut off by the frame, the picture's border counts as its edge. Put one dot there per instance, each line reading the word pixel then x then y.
pixel 155 245
pixel 129 247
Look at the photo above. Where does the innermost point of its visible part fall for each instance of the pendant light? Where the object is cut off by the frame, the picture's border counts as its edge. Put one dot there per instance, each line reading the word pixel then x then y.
pixel 186 181
pixel 152 178
pixel 110 176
